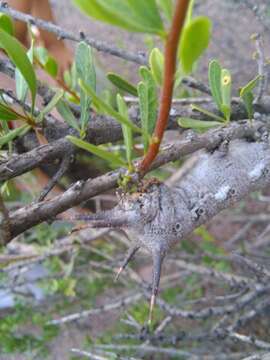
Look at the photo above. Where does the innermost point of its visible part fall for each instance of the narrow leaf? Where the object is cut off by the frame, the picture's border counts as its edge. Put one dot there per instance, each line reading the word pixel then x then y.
pixel 21 84
pixel 106 155
pixel 148 104
pixel 156 62
pixel 85 70
pixel 250 86
pixel 122 84
pixel 7 113
pixel 127 132
pixel 225 86
pixel 248 98
pixel 51 67
pixel 6 24
pixel 11 135
pixel 214 76
pixel 67 114
pixel 41 54
pixel 189 123
pixel 108 109
pixel 143 104
pixel 206 112
pixel 52 104
pixel 189 12
pixel 194 41
pixel 17 54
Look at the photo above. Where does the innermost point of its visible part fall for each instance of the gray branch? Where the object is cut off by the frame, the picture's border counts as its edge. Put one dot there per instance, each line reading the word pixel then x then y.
pixel 34 214
pixel 64 34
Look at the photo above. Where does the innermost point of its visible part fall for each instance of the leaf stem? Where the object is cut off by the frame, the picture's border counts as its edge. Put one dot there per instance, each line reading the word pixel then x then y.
pixel 171 47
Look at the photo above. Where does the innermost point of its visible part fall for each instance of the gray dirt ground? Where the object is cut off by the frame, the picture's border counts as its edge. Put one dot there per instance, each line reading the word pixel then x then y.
pixel 232 28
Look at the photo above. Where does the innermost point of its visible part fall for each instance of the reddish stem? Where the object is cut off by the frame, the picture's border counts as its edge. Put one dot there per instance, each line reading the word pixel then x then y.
pixel 171 47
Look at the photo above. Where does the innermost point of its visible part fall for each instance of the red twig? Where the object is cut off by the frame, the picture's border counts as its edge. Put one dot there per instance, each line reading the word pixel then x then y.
pixel 171 47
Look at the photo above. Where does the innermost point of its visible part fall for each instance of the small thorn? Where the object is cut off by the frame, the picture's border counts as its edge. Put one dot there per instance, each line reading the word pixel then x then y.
pixel 152 305
pixel 130 253
pixel 118 273
pixel 157 263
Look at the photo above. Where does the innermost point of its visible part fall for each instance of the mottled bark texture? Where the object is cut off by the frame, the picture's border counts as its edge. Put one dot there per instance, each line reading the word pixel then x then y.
pixel 159 216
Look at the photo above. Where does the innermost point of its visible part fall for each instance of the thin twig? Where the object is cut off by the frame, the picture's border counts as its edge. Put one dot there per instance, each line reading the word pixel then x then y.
pixel 64 166
pixel 150 349
pixel 5 226
pixel 64 34
pixel 250 340
pixel 238 305
pixel 122 302
pixel 260 57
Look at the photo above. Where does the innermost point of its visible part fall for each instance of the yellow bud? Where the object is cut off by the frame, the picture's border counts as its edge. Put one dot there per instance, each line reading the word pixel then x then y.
pixel 155 140
pixel 226 80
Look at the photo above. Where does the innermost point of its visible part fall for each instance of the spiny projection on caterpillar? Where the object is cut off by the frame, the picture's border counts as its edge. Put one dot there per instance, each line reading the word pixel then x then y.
pixel 158 216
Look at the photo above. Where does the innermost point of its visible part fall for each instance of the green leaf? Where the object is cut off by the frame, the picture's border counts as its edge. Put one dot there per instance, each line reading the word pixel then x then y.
pixel 189 12
pixel 250 86
pixel 52 104
pixel 7 113
pixel 108 109
pixel 148 103
pixel 51 66
pixel 225 86
pixel 143 104
pixel 189 123
pixel 122 84
pixel 206 112
pixel 48 62
pixel 167 7
pixel 67 114
pixel 85 70
pixel 156 62
pixel 17 54
pixel 67 78
pixel 214 76
pixel 138 16
pixel 127 132
pixel 147 14
pixel 11 135
pixel 194 40
pixel 41 54
pixel 21 84
pixel 106 155
pixel 248 98
pixel 6 24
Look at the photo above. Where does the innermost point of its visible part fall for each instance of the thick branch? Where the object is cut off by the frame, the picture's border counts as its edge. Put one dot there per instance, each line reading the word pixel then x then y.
pixel 34 214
